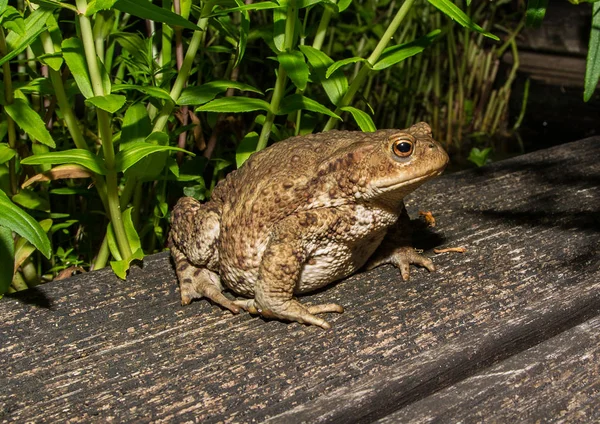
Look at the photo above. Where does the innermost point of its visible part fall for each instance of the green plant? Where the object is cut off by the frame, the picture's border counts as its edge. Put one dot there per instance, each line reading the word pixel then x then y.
pixel 104 91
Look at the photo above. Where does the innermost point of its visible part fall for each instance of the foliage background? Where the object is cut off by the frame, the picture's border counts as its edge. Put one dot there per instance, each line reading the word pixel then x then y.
pixel 111 109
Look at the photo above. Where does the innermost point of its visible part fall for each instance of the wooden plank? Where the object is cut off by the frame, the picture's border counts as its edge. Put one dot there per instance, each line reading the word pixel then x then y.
pixel 96 348
pixel 557 379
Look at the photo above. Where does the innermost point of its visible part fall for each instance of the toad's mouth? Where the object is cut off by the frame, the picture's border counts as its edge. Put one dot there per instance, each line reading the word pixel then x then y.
pixel 412 181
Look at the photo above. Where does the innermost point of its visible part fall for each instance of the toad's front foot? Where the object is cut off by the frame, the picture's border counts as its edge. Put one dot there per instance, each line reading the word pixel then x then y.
pixel 402 258
pixel 292 310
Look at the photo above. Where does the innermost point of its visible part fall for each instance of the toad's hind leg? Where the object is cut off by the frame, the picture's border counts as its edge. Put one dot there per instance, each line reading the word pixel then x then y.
pixel 193 240
pixel 197 282
pixel 279 273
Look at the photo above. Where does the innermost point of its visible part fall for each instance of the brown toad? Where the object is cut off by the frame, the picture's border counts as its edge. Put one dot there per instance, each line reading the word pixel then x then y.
pixel 301 214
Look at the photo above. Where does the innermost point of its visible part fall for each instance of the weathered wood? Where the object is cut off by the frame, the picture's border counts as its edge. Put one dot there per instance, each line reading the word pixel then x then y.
pixel 93 347
pixel 558 378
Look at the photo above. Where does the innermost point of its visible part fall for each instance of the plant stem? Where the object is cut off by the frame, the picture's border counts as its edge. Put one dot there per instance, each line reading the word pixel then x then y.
pixel 279 89
pixel 8 99
pixel 105 132
pixel 323 27
pixel 366 67
pixel 184 72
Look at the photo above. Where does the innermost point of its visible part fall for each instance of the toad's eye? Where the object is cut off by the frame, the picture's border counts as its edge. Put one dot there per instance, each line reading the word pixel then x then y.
pixel 403 147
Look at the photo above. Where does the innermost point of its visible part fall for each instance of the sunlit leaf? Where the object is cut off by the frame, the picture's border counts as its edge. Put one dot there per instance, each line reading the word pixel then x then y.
pixel 147 10
pixel 453 11
pixel 127 158
pixel 110 103
pixel 17 220
pixel 13 20
pixel 335 66
pixel 24 249
pixel 98 5
pixel 31 200
pixel 263 5
pixel 536 10
pixel 7 258
pixel 73 156
pixel 336 85
pixel 204 93
pixel 364 121
pixel 6 153
pixel 74 55
pixel 395 54
pixel 156 92
pixel 234 105
pixel 246 147
pixel 29 121
pixel 297 102
pixel 121 266
pixel 295 67
pixel 592 67
pixel 34 25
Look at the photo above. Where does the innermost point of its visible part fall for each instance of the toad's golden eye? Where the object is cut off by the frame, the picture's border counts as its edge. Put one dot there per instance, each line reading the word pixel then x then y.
pixel 403 147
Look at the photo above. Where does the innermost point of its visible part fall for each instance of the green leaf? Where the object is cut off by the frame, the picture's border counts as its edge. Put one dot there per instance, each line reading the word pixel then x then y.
pixel 235 105
pixel 263 5
pixel 34 25
pixel 24 249
pixel 479 157
pixel 13 20
pixel 592 65
pixel 206 92
pixel 127 158
pixel 295 67
pixel 244 30
pixel 343 5
pixel 155 92
pixel 6 153
pixel 136 125
pixel 393 55
pixel 536 10
pixel 453 11
pixel 7 259
pixel 74 55
pixel 132 236
pixel 336 84
pixel 31 200
pixel 297 101
pixel 110 103
pixel 98 5
pixel 246 148
pixel 146 10
pixel 133 44
pixel 17 220
pixel 364 121
pixel 77 156
pixel 334 67
pixel 150 167
pixel 121 266
pixel 3 6
pixel 279 21
pixel 29 121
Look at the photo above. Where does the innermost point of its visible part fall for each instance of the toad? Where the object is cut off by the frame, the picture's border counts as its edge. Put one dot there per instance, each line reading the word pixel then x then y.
pixel 302 214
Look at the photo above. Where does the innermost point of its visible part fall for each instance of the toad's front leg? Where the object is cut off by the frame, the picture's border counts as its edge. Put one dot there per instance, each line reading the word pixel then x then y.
pixel 280 269
pixel 396 249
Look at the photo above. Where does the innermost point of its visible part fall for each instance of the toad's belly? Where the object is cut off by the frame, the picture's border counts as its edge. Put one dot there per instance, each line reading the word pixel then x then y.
pixel 335 261
pixel 328 262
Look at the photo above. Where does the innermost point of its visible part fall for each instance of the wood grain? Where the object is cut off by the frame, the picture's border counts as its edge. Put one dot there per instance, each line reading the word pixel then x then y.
pixel 94 348
pixel 559 378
